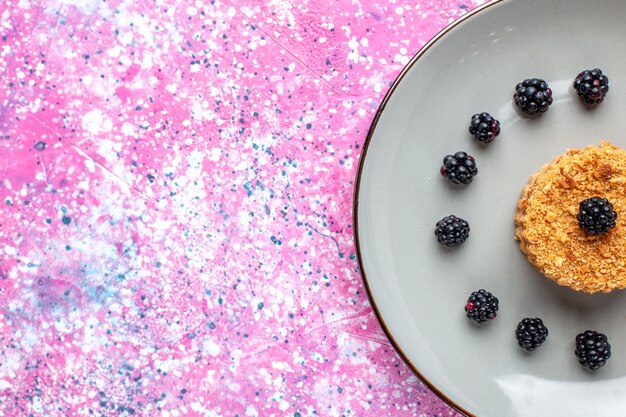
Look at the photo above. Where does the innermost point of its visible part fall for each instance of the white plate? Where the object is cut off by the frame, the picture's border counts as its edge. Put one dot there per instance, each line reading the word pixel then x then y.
pixel 419 289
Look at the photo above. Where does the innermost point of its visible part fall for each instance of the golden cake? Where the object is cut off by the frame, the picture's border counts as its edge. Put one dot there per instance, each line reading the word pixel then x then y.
pixel 546 222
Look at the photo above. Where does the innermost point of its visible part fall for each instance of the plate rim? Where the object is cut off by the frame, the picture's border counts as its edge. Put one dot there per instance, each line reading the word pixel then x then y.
pixel 355 202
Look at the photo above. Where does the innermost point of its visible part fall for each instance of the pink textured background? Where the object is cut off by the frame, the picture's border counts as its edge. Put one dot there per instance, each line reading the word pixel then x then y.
pixel 176 184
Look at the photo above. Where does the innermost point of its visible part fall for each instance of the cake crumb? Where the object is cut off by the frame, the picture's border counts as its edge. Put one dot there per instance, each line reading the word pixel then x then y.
pixel 606 171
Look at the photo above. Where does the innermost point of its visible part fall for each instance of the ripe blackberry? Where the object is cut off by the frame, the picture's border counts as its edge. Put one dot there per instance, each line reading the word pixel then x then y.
pixel 481 306
pixel 459 168
pixel 533 96
pixel 451 231
pixel 596 216
pixel 592 349
pixel 531 333
pixel 591 86
pixel 484 127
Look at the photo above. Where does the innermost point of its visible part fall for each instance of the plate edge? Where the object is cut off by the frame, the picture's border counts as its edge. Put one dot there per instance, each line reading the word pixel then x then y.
pixel 357 186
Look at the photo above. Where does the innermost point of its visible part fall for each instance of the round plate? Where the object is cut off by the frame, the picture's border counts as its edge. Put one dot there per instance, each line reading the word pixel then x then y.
pixel 418 289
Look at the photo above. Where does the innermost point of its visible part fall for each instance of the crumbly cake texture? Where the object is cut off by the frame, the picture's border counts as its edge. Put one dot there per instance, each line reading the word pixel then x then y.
pixel 547 228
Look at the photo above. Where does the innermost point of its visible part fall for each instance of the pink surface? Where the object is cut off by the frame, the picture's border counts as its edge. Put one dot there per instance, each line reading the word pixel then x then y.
pixel 176 186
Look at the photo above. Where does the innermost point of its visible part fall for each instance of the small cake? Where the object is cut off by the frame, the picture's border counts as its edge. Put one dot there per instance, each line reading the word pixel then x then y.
pixel 547 226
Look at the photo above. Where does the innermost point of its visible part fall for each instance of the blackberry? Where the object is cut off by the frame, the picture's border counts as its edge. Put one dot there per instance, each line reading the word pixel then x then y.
pixel 459 168
pixel 591 86
pixel 533 96
pixel 531 333
pixel 481 306
pixel 451 231
pixel 592 349
pixel 484 127
pixel 596 216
